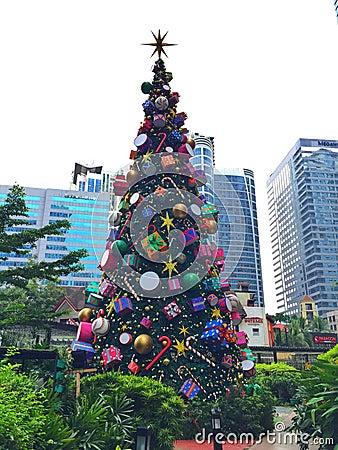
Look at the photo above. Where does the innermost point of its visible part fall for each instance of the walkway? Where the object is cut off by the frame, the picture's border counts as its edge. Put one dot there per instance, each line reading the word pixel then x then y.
pixel 276 441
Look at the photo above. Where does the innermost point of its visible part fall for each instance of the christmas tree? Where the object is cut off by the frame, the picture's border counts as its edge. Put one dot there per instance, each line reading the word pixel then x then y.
pixel 161 309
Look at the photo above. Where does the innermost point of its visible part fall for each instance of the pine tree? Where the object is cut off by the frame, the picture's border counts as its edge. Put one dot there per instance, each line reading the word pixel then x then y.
pixel 13 216
pixel 163 311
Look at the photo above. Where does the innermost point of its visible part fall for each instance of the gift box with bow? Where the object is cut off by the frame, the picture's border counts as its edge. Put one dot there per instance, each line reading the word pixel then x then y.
pixel 226 361
pixel 209 210
pixel 147 212
pixel 130 260
pixel 225 285
pixel 133 367
pixel 123 306
pixel 146 322
pixel 172 310
pixel 111 355
pixel 241 339
pixel 211 284
pixel 120 187
pixel 196 304
pixel 78 346
pixel 214 334
pixel 189 389
pixel 204 250
pixel 174 138
pixel 190 236
pixel 153 244
pixel 91 288
pixel 174 284
pixel 107 288
pixel 94 299
pixel 168 161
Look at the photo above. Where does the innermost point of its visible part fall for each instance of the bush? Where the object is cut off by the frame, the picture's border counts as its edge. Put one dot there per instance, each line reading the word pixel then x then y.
pixel 280 378
pixel 22 410
pixel 241 412
pixel 155 405
pixel 317 408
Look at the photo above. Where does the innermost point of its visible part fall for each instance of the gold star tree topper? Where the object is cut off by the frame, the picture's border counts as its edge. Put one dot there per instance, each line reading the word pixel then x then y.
pixel 159 44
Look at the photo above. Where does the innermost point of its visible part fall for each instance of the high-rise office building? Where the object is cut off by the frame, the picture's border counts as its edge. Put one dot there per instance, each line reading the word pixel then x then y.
pixel 204 159
pixel 235 198
pixel 303 215
pixel 86 211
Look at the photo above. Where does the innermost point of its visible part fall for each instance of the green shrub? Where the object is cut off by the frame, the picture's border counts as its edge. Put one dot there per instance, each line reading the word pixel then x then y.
pixel 22 410
pixel 280 378
pixel 331 355
pixel 155 405
pixel 317 408
pixel 250 412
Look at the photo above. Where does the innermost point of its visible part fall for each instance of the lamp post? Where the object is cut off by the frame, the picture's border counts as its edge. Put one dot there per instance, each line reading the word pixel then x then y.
pixel 143 438
pixel 216 428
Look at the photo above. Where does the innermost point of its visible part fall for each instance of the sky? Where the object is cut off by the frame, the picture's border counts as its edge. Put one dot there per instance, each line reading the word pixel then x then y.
pixel 255 75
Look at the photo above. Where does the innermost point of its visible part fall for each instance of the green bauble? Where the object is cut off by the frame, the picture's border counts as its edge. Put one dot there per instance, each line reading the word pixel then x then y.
pixel 119 247
pixel 190 279
pixel 146 87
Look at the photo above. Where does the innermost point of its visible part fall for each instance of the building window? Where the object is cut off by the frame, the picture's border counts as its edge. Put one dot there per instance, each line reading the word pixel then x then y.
pixel 255 331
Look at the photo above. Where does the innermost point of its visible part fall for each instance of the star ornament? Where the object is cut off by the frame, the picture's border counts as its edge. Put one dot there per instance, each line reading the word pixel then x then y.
pixel 159 44
pixel 184 330
pixel 216 313
pixel 180 347
pixel 170 267
pixel 167 221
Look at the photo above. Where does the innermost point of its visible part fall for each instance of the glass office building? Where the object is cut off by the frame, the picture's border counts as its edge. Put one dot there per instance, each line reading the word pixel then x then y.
pixel 235 198
pixel 204 159
pixel 86 211
pixel 303 215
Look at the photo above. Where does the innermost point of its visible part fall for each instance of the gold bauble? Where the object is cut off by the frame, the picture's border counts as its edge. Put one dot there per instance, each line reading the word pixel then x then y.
pixel 166 361
pixel 180 211
pixel 147 308
pixel 191 142
pixel 212 227
pixel 143 344
pixel 85 314
pixel 132 176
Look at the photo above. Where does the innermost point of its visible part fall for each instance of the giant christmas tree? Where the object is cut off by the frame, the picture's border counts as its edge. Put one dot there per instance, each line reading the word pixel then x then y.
pixel 162 310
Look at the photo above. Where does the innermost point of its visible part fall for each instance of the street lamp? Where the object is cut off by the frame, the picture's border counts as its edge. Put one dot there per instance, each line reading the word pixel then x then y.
pixel 143 438
pixel 216 427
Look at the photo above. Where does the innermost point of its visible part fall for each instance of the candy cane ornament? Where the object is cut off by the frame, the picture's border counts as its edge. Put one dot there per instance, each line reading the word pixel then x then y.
pixel 126 225
pixel 162 141
pixel 175 185
pixel 179 370
pixel 131 289
pixel 157 357
pixel 196 352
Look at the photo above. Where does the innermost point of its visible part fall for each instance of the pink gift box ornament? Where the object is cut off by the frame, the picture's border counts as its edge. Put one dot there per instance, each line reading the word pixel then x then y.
pixel 174 284
pixel 111 355
pixel 171 311
pixel 236 318
pixel 146 322
pixel 241 339
pixel 225 284
pixel 107 288
pixel 84 332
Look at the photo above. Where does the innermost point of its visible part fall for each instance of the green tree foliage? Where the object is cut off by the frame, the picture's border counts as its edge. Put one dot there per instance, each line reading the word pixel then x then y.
pixel 22 411
pixel 13 214
pixel 32 305
pixel 317 408
pixel 319 324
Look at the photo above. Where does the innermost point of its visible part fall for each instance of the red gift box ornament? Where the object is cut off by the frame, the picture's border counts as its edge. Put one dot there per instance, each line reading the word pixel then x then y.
pixel 111 356
pixel 146 322
pixel 168 161
pixel 172 310
pixel 133 367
